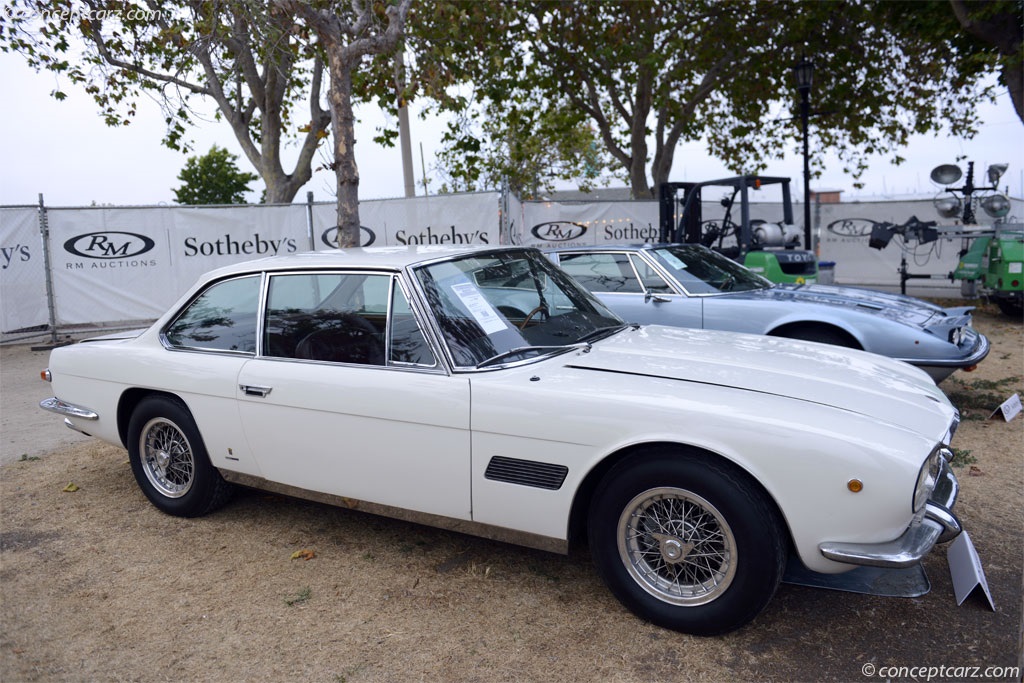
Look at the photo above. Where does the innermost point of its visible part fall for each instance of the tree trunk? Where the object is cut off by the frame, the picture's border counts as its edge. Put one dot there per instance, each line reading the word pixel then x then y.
pixel 345 169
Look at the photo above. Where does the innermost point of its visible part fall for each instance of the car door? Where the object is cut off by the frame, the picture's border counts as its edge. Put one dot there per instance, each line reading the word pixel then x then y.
pixel 347 397
pixel 632 287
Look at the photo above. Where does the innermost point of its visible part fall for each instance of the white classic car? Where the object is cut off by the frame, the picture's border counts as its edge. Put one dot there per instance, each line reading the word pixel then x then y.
pixel 484 391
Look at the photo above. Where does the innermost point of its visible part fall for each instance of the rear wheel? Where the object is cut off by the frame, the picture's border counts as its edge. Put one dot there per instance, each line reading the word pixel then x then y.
pixel 821 335
pixel 686 541
pixel 1011 307
pixel 170 462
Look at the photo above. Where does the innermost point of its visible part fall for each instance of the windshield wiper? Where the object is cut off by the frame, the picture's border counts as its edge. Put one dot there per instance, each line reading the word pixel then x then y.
pixel 609 329
pixel 520 350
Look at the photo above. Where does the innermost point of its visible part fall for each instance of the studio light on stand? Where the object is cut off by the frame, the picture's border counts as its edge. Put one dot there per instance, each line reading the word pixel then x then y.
pixel 953 202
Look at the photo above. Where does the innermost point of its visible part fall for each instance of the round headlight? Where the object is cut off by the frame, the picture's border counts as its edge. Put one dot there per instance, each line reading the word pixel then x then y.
pixel 926 479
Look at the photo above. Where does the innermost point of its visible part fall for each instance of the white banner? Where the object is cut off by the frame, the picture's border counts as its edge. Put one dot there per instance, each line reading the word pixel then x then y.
pixel 113 264
pixel 22 271
pixel 845 230
pixel 453 220
pixel 547 225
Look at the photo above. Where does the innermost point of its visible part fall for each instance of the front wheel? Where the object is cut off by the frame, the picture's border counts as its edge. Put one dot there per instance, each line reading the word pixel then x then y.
pixel 170 462
pixel 686 541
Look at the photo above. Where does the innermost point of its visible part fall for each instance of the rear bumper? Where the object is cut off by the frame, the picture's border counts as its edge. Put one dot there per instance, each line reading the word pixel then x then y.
pixel 55 405
pixel 69 410
pixel 935 524
pixel 939 368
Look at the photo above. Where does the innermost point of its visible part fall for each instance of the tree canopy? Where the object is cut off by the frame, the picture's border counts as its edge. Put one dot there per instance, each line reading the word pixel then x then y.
pixel 647 75
pixel 213 178
pixel 537 90
pixel 265 78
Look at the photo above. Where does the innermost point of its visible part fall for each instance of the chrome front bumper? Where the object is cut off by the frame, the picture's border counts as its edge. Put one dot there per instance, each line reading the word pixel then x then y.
pixel 936 523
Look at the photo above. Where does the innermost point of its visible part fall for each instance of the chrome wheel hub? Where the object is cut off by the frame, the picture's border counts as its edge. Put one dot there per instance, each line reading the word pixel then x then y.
pixel 673 549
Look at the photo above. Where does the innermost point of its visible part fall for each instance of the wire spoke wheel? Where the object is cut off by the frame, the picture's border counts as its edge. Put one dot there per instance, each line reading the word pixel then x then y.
pixel 677 546
pixel 167 457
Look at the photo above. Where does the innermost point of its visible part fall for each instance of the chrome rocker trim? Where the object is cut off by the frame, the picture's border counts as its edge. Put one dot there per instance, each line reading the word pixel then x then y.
pixel 937 525
pixel 463 526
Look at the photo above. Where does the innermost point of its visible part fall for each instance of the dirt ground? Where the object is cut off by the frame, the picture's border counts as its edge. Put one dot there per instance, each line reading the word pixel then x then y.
pixel 97 585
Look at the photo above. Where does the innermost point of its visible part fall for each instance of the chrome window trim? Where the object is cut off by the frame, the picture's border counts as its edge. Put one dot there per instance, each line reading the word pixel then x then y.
pixel 166 343
pixel 651 255
pixel 393 276
pixel 658 270
pixel 397 281
pixel 622 252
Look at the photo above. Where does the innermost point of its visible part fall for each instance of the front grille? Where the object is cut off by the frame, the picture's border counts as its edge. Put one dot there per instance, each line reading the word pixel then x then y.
pixel 540 475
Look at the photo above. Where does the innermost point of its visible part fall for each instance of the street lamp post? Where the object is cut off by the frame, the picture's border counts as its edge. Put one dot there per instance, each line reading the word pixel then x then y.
pixel 803 72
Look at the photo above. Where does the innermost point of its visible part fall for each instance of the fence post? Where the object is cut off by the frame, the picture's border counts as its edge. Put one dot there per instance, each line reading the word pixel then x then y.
pixel 44 232
pixel 309 220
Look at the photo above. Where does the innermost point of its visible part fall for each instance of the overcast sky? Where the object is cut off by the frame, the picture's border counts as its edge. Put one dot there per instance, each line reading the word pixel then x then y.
pixel 64 151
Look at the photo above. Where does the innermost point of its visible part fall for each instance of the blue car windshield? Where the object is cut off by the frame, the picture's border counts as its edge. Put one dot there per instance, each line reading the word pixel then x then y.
pixel 514 305
pixel 703 271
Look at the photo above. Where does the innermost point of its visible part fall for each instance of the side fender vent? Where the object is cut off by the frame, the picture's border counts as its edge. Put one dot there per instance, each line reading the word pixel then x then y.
pixel 540 475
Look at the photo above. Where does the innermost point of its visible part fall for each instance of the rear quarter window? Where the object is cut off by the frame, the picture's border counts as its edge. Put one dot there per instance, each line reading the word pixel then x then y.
pixel 222 318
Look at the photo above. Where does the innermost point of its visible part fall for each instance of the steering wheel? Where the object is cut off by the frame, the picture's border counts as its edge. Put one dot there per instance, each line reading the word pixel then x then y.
pixel 529 316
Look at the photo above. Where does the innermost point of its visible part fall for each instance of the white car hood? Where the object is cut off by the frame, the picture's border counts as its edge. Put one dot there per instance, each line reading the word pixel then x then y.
pixel 856 381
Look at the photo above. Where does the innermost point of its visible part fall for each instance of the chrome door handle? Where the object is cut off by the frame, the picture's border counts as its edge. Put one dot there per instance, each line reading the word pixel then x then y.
pixel 254 390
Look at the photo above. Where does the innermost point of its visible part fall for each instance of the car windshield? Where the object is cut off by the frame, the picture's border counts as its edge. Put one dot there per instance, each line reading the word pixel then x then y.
pixel 508 306
pixel 703 271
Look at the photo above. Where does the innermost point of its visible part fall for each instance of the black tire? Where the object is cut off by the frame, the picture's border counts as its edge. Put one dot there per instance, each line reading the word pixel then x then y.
pixel 686 541
pixel 170 462
pixel 822 335
pixel 1011 307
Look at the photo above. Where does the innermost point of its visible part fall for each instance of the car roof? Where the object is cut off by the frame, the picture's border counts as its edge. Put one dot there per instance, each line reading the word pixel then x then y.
pixel 389 258
pixel 611 247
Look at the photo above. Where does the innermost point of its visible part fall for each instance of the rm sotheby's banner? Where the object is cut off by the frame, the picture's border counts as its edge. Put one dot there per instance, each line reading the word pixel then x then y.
pixel 115 265
pixel 22 271
pixel 112 265
pixel 451 220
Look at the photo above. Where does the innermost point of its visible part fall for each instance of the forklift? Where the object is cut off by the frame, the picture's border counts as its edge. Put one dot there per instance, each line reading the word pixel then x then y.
pixel 770 249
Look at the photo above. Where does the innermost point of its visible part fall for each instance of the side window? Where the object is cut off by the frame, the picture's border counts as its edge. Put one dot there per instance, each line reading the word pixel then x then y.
pixel 601 272
pixel 651 279
pixel 408 345
pixel 336 317
pixel 222 318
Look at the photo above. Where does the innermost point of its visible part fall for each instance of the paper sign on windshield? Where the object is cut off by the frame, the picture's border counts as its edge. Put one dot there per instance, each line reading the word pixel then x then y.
pixel 479 308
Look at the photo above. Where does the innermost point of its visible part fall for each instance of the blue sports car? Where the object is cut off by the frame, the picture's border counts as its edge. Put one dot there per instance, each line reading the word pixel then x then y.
pixel 688 285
